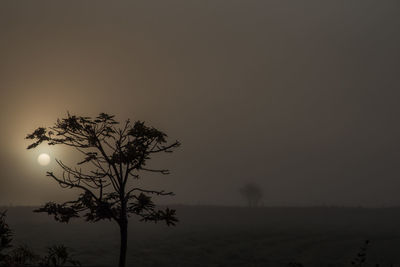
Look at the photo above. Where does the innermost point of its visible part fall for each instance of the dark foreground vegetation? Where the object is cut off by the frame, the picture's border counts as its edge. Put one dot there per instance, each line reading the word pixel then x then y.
pixel 21 255
pixel 227 236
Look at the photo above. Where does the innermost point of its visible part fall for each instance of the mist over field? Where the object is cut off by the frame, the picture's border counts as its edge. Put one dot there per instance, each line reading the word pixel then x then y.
pixel 299 97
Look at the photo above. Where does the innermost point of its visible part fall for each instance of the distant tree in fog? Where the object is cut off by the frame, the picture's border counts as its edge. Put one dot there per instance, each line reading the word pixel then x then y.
pixel 252 193
pixel 114 158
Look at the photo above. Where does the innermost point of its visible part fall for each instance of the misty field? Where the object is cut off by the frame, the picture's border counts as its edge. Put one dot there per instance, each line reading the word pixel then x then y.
pixel 226 236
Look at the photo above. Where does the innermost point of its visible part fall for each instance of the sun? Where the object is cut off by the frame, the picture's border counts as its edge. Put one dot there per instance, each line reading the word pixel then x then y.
pixel 43 159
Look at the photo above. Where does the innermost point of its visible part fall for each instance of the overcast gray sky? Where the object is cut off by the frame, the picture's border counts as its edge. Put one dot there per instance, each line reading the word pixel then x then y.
pixel 300 97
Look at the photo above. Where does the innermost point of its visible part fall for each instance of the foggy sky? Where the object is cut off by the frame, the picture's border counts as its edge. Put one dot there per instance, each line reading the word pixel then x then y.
pixel 300 97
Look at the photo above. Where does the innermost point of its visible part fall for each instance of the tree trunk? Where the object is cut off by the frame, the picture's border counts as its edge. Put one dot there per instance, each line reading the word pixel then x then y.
pixel 123 227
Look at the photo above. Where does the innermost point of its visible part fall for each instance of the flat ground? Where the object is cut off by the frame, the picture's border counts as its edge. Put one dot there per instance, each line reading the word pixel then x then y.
pixel 226 236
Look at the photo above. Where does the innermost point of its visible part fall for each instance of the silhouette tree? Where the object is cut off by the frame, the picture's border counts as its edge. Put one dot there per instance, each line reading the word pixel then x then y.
pixel 114 158
pixel 252 193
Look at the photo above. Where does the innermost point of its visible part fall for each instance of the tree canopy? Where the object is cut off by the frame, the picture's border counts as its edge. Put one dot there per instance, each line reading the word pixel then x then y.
pixel 114 156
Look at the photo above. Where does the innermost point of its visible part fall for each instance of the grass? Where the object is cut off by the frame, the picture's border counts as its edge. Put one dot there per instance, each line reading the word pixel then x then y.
pixel 227 236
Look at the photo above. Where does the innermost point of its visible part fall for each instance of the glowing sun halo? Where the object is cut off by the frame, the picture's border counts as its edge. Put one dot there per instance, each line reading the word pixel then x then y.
pixel 43 159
